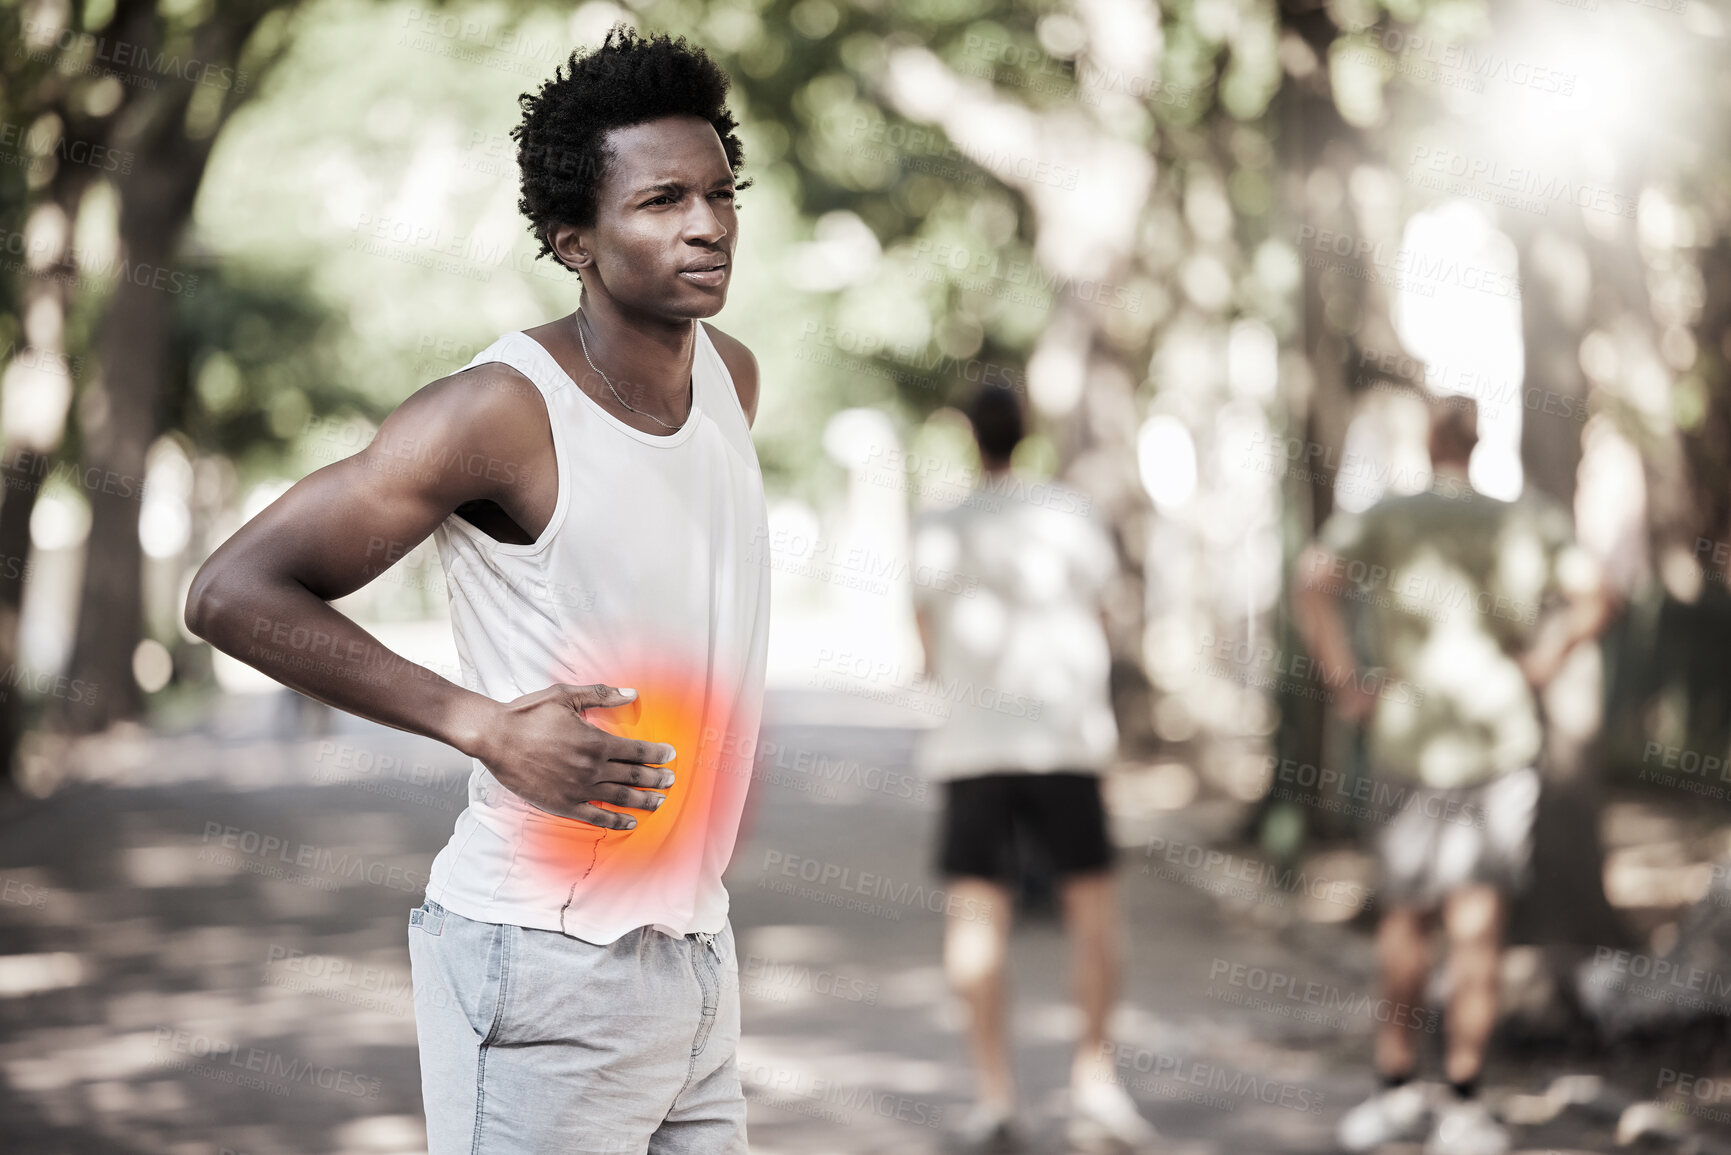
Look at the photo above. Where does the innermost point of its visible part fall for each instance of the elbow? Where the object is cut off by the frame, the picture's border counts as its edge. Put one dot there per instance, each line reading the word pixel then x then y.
pixel 207 602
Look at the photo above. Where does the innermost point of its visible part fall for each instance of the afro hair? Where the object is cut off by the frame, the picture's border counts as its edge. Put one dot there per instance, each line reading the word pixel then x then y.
pixel 629 80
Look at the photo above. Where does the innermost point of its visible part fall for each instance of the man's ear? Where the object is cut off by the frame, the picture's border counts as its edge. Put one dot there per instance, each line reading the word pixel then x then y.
pixel 568 247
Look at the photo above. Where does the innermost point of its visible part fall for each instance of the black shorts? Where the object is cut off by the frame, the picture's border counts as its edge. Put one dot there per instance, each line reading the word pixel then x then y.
pixel 987 816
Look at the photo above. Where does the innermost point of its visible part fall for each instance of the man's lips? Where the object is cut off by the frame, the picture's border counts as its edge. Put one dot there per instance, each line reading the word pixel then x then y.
pixel 710 273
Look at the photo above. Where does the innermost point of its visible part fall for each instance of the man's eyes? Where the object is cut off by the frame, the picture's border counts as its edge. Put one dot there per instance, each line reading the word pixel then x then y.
pixel 670 199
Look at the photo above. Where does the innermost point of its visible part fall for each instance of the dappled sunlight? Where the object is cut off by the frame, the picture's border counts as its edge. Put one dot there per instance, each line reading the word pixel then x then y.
pixel 1221 253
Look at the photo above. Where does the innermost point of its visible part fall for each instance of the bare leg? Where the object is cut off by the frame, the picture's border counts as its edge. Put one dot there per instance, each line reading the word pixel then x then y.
pixel 1100 1108
pixel 1473 920
pixel 976 943
pixel 1091 917
pixel 1403 955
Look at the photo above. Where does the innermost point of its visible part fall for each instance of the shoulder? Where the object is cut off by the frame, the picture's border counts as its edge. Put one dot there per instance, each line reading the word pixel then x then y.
pixel 490 417
pixel 488 400
pixel 741 366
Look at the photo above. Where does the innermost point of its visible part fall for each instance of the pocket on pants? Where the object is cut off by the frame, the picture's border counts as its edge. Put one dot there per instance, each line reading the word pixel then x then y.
pixel 464 965
pixel 429 917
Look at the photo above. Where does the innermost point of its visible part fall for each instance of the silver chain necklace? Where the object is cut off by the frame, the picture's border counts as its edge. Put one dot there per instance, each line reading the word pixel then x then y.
pixel 585 343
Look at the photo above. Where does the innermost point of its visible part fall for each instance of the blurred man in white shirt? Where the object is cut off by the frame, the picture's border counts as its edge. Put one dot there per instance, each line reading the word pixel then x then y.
pixel 1016 650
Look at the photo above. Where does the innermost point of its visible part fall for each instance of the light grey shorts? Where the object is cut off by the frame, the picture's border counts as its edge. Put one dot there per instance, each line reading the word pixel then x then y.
pixel 1444 839
pixel 536 1042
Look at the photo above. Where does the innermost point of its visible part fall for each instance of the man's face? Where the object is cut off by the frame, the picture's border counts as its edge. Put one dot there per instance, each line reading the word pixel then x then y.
pixel 665 223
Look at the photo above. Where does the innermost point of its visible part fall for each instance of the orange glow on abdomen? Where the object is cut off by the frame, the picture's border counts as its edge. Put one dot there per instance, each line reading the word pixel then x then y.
pixel 704 800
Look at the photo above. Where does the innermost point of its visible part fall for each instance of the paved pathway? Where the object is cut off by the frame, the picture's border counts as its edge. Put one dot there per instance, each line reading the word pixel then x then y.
pixel 207 955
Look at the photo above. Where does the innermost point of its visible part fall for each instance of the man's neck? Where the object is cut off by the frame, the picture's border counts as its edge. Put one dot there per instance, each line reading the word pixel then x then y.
pixel 652 356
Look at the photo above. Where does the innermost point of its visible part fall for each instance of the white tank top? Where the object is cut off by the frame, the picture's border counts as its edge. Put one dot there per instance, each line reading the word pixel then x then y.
pixel 650 574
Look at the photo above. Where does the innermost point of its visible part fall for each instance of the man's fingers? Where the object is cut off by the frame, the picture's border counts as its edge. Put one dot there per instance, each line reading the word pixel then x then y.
pixel 596 816
pixel 632 750
pixel 614 794
pixel 635 774
pixel 583 697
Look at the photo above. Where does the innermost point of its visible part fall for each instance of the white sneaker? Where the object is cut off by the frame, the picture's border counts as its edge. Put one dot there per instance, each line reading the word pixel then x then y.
pixel 1386 1117
pixel 1467 1127
pixel 1103 1116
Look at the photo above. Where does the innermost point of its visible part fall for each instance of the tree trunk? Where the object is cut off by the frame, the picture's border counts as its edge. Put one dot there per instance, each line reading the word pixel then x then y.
pixel 39 381
pixel 119 412
pixel 1566 903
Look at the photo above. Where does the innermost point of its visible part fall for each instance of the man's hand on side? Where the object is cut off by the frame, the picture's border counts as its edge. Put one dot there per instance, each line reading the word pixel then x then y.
pixel 542 749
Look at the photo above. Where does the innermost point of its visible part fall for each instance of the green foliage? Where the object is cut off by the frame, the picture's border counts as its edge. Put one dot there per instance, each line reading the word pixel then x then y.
pixel 256 361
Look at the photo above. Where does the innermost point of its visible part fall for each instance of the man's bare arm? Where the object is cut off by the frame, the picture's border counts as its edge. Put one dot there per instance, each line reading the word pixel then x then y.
pixel 1317 616
pixel 1584 617
pixel 264 595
